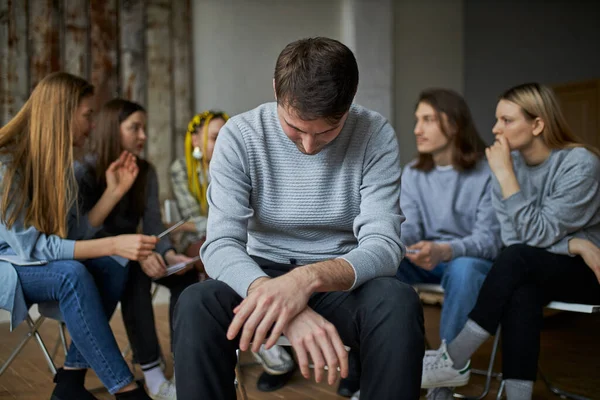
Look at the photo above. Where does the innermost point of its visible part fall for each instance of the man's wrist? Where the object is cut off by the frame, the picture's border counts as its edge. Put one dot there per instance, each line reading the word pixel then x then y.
pixel 446 251
pixel 256 283
pixel 575 245
pixel 307 278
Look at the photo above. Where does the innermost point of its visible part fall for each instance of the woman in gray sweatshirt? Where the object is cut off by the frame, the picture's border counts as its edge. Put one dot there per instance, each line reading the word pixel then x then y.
pixel 546 194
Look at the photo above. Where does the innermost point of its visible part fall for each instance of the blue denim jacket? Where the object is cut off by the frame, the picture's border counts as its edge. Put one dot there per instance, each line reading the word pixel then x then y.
pixel 27 244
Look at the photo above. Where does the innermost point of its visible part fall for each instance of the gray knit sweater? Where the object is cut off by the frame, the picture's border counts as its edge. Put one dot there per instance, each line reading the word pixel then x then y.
pixel 268 199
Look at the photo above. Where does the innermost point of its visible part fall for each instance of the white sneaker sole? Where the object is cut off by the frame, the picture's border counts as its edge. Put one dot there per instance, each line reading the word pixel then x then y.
pixel 461 380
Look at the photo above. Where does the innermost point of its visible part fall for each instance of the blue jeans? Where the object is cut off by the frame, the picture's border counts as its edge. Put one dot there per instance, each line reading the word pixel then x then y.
pixel 461 279
pixel 87 294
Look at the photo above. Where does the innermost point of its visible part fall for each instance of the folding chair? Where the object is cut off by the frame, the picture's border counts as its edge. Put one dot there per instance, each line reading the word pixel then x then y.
pixel 571 307
pixel 427 288
pixel 47 310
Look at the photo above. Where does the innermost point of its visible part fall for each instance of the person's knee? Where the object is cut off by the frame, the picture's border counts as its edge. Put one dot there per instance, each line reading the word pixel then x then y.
pixel 466 271
pixel 512 253
pixel 396 299
pixel 74 274
pixel 200 299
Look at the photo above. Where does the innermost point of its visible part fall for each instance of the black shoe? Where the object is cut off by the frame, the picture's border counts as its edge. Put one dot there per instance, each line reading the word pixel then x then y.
pixel 136 394
pixel 69 385
pixel 268 383
pixel 348 387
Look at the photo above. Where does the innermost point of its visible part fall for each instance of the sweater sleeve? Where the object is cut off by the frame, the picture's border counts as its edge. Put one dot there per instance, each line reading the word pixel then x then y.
pixel 573 202
pixel 377 227
pixel 484 242
pixel 224 251
pixel 412 228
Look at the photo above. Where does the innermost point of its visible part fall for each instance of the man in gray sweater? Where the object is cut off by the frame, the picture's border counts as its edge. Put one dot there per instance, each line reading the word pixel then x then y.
pixel 304 238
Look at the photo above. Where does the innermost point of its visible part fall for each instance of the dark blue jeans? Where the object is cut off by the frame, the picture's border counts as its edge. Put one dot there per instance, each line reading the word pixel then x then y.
pixel 87 294
pixel 382 321
pixel 461 279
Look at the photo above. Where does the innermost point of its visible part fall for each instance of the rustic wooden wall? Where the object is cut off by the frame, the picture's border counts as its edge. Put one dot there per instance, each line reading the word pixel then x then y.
pixel 136 49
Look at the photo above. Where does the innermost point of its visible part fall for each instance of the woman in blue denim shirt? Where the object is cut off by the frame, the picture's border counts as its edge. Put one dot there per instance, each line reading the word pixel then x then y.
pixel 37 180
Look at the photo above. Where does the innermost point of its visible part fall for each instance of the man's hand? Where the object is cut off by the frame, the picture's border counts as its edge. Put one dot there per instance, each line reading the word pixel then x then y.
pixel 173 258
pixel 429 254
pixel 589 252
pixel 154 266
pixel 271 303
pixel 311 334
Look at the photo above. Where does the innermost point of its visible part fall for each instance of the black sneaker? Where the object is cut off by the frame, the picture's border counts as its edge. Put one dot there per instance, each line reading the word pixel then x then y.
pixel 348 387
pixel 268 383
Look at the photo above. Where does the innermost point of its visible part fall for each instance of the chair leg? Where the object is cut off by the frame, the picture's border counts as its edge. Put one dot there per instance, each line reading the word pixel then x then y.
pixel 239 378
pixel 500 391
pixel 34 330
pixel 63 337
pixel 559 392
pixel 26 338
pixel 488 374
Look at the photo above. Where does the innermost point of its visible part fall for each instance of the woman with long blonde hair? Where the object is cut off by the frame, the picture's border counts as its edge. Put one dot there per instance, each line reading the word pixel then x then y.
pixel 546 194
pixel 38 260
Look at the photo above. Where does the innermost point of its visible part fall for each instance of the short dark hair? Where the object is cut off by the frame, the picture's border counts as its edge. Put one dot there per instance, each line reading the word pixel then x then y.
pixel 317 78
pixel 469 148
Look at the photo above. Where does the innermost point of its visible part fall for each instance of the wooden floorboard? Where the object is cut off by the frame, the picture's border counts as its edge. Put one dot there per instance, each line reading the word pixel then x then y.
pixel 570 355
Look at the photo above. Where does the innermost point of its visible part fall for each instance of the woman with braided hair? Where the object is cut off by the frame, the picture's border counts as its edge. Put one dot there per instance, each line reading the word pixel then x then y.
pixel 189 180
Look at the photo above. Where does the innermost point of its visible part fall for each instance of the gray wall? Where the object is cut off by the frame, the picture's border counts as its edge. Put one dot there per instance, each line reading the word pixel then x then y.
pixel 428 45
pixel 512 42
pixel 236 43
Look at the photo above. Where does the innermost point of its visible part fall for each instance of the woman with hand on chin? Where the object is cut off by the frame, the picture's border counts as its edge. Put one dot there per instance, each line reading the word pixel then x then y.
pixel 547 198
pixel 118 196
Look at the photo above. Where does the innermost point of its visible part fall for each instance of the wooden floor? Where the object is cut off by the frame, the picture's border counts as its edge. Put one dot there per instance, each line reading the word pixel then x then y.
pixel 570 357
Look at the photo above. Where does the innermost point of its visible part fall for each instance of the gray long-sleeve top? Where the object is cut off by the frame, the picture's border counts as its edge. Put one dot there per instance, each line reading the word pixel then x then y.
pixel 559 200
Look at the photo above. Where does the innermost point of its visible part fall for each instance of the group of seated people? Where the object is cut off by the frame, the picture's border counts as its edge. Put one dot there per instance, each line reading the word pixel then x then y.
pixel 306 226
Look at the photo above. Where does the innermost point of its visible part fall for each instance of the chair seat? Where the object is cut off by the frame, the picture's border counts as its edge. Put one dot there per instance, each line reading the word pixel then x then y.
pixel 51 310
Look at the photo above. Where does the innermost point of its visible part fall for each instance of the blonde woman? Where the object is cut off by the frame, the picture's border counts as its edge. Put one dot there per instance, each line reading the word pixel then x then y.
pixel 39 262
pixel 546 195
pixel 189 179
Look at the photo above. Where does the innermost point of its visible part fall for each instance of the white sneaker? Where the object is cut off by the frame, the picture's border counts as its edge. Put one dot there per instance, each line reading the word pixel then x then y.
pixel 438 371
pixel 356 396
pixel 276 361
pixel 166 391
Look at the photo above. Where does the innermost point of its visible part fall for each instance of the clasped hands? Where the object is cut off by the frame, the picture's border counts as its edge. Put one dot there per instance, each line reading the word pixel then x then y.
pixel 276 306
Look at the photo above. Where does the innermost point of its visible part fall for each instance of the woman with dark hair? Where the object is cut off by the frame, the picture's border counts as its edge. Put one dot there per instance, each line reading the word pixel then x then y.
pixel 120 135
pixel 546 195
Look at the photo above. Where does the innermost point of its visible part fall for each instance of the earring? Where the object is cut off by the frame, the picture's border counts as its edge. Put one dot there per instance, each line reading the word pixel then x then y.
pixel 197 153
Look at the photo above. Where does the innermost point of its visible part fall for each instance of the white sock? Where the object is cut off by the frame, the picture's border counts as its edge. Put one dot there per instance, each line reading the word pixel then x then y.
pixel 517 389
pixel 153 376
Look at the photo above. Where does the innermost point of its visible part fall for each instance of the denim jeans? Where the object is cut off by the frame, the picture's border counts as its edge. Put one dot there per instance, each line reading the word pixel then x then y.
pixel 461 279
pixel 87 294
